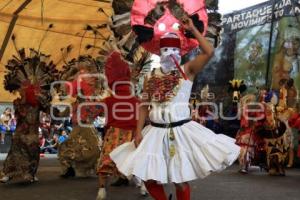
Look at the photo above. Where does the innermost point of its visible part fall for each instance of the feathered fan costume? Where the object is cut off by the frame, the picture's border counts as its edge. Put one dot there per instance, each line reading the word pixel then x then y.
pixel 31 76
pixel 81 151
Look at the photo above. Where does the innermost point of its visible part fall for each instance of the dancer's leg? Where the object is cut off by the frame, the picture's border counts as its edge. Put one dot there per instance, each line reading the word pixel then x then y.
pixel 183 191
pixel 156 190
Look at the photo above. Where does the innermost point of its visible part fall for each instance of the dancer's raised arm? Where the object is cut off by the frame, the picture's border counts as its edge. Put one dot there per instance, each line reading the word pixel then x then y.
pixel 196 65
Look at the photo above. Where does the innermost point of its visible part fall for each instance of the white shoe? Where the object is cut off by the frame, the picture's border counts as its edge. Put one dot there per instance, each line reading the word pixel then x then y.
pixel 143 190
pixel 4 179
pixel 101 194
pixel 35 179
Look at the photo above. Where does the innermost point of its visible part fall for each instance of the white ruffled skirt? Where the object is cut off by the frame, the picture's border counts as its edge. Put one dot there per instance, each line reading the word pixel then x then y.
pixel 198 152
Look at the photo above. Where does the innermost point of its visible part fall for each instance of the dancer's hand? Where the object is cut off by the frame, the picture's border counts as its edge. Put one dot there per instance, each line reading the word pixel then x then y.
pixel 188 24
pixel 137 139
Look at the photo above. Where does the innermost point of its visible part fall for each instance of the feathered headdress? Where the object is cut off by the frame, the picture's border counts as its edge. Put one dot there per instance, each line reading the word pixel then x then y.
pixel 84 65
pixel 31 75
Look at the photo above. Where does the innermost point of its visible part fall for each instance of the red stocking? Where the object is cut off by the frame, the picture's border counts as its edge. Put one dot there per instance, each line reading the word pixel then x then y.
pixel 184 192
pixel 156 190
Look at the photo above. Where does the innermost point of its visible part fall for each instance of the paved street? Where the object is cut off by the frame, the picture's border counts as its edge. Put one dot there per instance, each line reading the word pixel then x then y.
pixel 228 185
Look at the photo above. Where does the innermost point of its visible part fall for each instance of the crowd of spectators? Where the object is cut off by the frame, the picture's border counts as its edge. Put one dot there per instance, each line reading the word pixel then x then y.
pixel 53 132
pixel 7 124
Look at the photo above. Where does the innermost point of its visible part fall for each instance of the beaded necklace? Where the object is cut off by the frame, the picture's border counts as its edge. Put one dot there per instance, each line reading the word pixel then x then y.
pixel 163 87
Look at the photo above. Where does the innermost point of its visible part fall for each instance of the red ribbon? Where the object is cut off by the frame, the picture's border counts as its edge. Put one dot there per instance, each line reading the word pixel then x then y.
pixel 179 68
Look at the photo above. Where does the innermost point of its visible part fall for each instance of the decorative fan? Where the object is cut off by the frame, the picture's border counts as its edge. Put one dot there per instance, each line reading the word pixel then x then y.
pixel 31 75
pixel 92 69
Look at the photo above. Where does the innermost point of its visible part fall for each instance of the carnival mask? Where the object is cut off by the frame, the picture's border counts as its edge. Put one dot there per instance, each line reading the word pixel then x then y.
pixel 168 57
